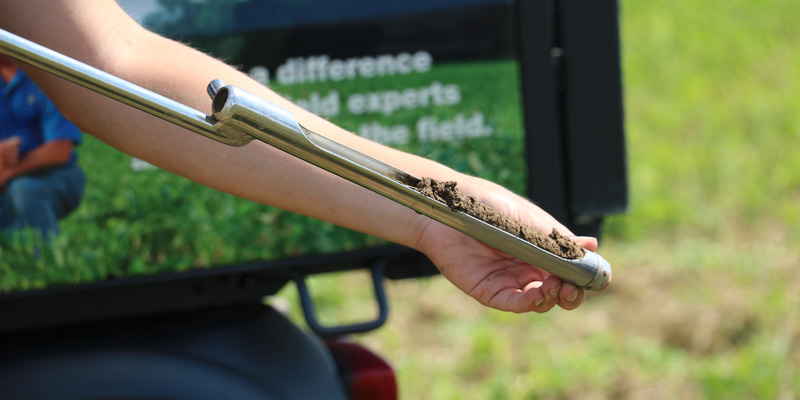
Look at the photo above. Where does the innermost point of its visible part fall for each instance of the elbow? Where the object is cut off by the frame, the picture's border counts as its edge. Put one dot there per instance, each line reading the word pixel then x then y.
pixel 114 55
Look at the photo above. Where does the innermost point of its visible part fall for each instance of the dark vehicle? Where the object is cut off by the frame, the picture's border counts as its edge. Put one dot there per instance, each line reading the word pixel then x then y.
pixel 134 302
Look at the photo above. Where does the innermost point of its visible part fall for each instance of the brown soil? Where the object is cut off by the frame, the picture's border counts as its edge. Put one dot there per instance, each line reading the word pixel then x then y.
pixel 447 193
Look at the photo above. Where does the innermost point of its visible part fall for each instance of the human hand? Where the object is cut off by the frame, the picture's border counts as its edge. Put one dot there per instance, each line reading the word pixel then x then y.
pixel 9 152
pixel 493 278
pixel 5 176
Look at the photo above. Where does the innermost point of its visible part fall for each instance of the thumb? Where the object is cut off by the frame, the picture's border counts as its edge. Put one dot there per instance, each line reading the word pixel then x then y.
pixel 587 242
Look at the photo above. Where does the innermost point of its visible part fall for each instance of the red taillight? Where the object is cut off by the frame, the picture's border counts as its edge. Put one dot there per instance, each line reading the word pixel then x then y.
pixel 366 376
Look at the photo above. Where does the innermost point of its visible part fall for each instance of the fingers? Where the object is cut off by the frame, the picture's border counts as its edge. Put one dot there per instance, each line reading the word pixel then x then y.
pixel 539 296
pixel 570 297
pixel 558 292
pixel 529 299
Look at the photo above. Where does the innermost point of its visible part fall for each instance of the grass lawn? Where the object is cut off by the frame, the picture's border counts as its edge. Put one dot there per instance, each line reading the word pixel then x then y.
pixel 706 280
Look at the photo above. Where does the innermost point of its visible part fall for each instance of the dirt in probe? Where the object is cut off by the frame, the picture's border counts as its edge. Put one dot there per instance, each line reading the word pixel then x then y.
pixel 447 193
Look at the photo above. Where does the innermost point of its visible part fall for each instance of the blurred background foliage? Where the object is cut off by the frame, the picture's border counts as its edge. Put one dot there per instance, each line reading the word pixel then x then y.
pixel 706 291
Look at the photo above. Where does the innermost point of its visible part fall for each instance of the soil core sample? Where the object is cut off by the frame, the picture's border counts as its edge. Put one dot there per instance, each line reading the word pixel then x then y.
pixel 447 193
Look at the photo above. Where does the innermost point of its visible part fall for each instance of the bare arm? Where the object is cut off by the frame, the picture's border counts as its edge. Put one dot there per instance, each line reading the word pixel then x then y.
pixel 9 153
pixel 99 33
pixel 50 154
pixel 109 40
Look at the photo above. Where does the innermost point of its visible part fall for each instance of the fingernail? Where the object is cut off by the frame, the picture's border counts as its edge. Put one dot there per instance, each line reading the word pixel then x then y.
pixel 539 302
pixel 573 296
pixel 554 293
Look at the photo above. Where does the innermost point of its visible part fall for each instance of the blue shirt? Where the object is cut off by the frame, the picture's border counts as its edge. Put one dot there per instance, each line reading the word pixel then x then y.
pixel 26 112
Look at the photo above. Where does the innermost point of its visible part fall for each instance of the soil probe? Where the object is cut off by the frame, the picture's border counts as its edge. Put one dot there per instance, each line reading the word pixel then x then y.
pixel 239 117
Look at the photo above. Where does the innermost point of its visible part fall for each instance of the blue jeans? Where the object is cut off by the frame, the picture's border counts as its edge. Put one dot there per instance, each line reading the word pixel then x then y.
pixel 38 200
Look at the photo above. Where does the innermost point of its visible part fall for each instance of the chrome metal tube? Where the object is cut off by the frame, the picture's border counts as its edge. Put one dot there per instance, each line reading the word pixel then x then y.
pixel 278 127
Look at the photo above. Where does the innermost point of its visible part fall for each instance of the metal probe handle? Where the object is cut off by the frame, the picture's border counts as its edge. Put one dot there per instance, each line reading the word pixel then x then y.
pixel 242 111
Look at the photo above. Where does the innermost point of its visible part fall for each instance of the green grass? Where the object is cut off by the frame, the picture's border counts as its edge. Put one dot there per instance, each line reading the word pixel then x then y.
pixel 706 281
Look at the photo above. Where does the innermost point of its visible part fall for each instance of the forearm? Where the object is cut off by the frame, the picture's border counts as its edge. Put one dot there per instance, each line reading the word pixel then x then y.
pixel 98 33
pixel 256 171
pixel 50 154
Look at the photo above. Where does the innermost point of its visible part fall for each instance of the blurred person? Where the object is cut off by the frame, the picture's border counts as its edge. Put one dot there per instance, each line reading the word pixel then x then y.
pixel 40 181
pixel 101 34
